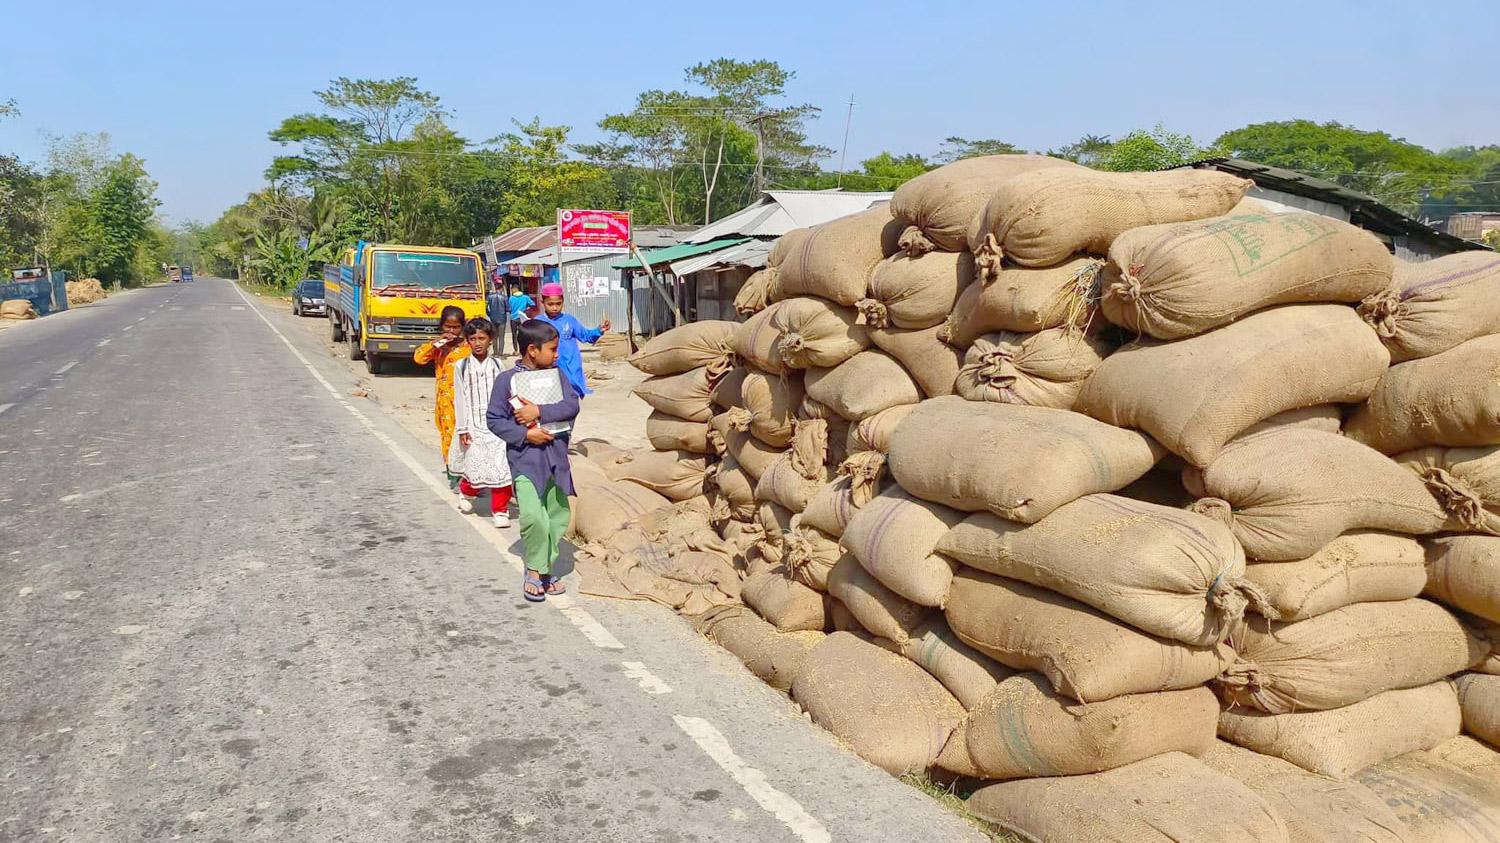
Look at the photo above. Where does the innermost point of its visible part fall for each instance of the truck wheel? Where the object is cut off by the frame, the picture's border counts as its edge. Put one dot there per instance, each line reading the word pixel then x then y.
pixel 356 352
pixel 336 328
pixel 374 363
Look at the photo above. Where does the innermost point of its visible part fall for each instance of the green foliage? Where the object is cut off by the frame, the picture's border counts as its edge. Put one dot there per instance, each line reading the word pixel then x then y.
pixel 1088 150
pixel 1157 149
pixel 21 221
pixel 955 148
pixel 1492 238
pixel 536 178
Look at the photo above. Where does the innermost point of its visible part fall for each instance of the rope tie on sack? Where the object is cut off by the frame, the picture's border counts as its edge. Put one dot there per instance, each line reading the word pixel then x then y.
pixel 809 447
pixel 1457 498
pixel 987 259
pixel 791 346
pixel 739 418
pixel 1382 310
pixel 914 242
pixel 997 367
pixel 1243 678
pixel 720 512
pixel 871 312
pixel 864 470
pixel 1215 508
pixel 945 332
pixel 716 441
pixel 1229 598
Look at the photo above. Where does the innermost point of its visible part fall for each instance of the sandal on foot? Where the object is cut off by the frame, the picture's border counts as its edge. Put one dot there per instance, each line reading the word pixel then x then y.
pixel 531 581
pixel 554 586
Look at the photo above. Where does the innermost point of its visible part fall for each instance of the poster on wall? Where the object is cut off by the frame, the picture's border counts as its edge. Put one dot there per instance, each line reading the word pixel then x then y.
pixel 593 288
pixel 580 230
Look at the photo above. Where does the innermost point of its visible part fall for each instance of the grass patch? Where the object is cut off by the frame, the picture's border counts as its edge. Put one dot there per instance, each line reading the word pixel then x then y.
pixel 267 290
pixel 955 799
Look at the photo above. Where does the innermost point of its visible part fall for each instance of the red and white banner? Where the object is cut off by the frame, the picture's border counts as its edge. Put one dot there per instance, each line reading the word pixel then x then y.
pixel 593 231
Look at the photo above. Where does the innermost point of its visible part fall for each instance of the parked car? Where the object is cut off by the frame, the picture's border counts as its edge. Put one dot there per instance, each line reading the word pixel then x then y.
pixel 307 298
pixel 187 273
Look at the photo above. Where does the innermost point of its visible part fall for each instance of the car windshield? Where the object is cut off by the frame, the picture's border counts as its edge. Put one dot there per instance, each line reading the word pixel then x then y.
pixel 312 288
pixel 414 269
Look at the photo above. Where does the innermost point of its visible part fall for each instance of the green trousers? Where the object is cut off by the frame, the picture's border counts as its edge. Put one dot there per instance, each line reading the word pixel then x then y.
pixel 544 519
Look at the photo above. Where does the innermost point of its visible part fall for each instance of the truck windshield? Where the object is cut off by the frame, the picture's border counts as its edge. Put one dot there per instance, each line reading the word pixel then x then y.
pixel 414 269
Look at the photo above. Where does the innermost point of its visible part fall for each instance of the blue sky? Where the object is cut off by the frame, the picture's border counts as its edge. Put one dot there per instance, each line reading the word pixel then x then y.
pixel 193 87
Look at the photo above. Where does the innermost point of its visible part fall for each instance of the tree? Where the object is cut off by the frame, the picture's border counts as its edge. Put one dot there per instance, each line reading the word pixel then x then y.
pixel 536 179
pixel 955 148
pixel 1088 150
pixel 21 220
pixel 1157 149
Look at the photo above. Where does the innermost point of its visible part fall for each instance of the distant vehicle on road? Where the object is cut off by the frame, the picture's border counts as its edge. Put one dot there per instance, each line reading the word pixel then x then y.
pixel 174 274
pixel 187 273
pixel 384 300
pixel 307 298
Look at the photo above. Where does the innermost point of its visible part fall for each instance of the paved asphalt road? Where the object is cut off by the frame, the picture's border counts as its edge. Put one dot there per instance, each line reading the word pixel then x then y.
pixel 233 606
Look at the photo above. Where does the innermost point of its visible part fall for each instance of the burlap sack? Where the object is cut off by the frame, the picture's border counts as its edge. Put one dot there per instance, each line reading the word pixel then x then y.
pixel 1065 738
pixel 775 657
pixel 1452 399
pixel 1490 632
pixel 1479 697
pixel 938 206
pixel 775 522
pixel 810 555
pixel 882 706
pixel 1343 741
pixel 1346 655
pixel 1171 798
pixel 894 536
pixel 782 484
pixel 1160 486
pixel 691 346
pixel 1027 300
pixel 1316 809
pixel 1045 217
pixel 602 509
pixel 1435 800
pixel 669 433
pixel 737 488
pixel 1465 480
pixel 1044 369
pixel 1181 279
pixel 1292 491
pixel 835 259
pixel 596 451
pixel 1325 417
pixel 677 475
pixel 787 604
pixel 1473 756
pixel 17 309
pixel 1018 462
pixel 1163 571
pixel 757 341
pixel 685 396
pixel 1464 572
pixel 772 401
pixel 967 673
pixel 1358 567
pixel 1194 395
pixel 831 508
pixel 864 385
pixel 727 431
pixel 728 391
pixel 873 433
pixel 757 292
pixel 812 332
pixel 878 609
pixel 915 293
pixel 1084 653
pixel 932 363
pixel 1251 205
pixel 1434 305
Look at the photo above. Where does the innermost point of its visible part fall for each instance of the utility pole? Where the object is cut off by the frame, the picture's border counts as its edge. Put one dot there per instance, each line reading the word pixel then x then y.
pixel 759 122
pixel 848 118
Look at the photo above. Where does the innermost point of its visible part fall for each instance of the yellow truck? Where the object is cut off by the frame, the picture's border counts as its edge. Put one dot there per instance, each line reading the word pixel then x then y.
pixel 384 300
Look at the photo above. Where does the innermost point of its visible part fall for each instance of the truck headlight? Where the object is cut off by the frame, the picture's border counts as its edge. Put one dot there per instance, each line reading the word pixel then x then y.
pixel 382 326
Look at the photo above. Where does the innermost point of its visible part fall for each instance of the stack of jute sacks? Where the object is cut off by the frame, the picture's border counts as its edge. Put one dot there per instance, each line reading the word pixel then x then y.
pixel 1047 482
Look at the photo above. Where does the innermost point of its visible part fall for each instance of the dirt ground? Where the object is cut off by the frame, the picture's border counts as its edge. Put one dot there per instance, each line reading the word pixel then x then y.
pixel 405 391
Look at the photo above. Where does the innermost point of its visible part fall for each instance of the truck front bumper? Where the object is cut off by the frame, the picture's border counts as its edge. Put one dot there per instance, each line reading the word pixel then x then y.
pixel 392 345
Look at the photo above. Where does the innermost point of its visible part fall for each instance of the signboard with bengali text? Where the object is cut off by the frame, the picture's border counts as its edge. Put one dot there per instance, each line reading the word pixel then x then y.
pixel 593 231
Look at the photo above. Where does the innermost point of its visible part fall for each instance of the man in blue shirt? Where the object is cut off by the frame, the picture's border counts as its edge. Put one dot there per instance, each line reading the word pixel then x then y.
pixel 569 332
pixel 516 307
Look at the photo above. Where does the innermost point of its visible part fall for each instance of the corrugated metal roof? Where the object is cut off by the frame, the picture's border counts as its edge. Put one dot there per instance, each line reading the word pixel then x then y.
pixel 548 257
pixel 780 211
pixel 677 251
pixel 526 239
pixel 751 253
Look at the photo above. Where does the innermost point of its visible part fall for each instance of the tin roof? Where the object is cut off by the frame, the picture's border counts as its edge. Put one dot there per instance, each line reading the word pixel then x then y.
pixel 750 253
pixel 780 211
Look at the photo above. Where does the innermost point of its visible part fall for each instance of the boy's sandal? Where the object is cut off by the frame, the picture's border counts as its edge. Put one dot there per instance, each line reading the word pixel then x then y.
pixel 554 586
pixel 533 581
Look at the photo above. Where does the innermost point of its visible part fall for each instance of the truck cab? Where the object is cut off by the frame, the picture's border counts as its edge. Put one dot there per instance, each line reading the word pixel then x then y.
pixel 385 300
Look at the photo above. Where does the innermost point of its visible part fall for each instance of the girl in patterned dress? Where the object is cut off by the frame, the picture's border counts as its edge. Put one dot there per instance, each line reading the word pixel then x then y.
pixel 443 352
pixel 477 454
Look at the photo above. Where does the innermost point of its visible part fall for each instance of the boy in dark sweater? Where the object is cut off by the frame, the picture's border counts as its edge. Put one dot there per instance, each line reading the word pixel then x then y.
pixel 538 460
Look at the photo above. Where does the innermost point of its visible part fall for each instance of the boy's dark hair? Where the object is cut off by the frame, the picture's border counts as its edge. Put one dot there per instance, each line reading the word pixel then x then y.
pixel 535 332
pixel 477 324
pixel 451 311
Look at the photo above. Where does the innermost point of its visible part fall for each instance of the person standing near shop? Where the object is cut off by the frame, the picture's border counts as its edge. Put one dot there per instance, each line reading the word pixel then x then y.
pixel 516 307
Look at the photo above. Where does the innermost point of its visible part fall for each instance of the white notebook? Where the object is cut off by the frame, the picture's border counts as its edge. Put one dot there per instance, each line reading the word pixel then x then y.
pixel 541 386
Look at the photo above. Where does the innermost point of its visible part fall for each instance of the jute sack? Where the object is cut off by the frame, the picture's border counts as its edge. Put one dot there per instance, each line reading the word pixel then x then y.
pixel 1465 480
pixel 967 673
pixel 863 385
pixel 1436 800
pixel 932 363
pixel 1160 486
pixel 835 259
pixel 1464 572
pixel 678 475
pixel 1325 417
pixel 757 341
pixel 603 509
pixel 915 293
pixel 1022 728
pixel 1084 653
pixel 1343 741
pixel 17 309
pixel 775 657
pixel 938 206
pixel 1479 697
pixel 1181 279
pixel 788 605
pixel 772 401
pixel 781 483
pixel 1044 369
pixel 1251 205
pixel 873 433
pixel 1473 756
pixel 669 433
pixel 812 332
pixel 1018 462
pixel 878 609
pixel 894 537
pixel 868 442
pixel 882 706
pixel 1044 217
pixel 757 292
pixel 1196 394
pixel 1346 655
pixel 1027 300
pixel 692 346
pixel 811 555
pixel 727 431
pixel 1434 305
pixel 1452 398
pixel 1490 632
pixel 1357 567
pixel 728 391
pixel 1171 798
pixel 831 508
pixel 686 396
pixel 1164 571
pixel 597 452
pixel 1316 809
pixel 737 488
pixel 1289 492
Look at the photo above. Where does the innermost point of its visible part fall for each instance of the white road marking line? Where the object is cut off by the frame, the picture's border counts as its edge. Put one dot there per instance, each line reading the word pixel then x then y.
pixel 564 603
pixel 65 369
pixel 302 457
pixel 68 498
pixel 4 407
pixel 235 307
pixel 305 445
pixel 649 682
pixel 142 319
pixel 127 327
pixel 781 806
pixel 102 343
